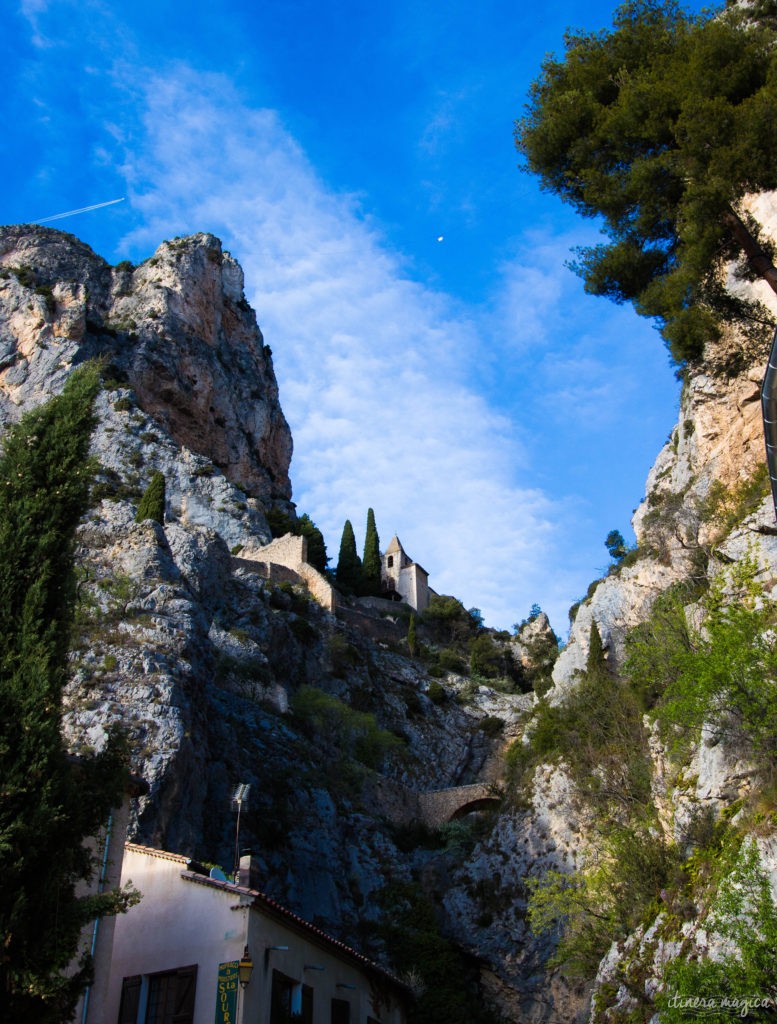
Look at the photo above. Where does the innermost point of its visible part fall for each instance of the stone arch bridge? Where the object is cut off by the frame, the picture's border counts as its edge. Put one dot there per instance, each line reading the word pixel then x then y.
pixel 438 806
pixel 434 807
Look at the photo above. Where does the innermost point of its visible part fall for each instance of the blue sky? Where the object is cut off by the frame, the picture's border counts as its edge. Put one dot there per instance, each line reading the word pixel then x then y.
pixel 494 416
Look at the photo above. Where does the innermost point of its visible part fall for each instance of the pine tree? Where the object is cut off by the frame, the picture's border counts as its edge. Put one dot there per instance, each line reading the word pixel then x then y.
pixel 349 566
pixel 50 803
pixel 660 127
pixel 152 504
pixel 371 562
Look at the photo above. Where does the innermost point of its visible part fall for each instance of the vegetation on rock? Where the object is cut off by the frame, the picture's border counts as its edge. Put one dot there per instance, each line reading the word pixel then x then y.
pixel 152 504
pixel 51 804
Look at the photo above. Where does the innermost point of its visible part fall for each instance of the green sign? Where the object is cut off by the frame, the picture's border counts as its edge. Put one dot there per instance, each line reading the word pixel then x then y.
pixel 226 993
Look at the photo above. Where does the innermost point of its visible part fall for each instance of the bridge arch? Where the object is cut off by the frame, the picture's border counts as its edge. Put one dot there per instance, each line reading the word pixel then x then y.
pixel 439 806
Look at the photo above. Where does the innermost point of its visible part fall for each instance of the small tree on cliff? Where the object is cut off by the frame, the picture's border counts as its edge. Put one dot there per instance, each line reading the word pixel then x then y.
pixel 371 562
pixel 152 504
pixel 49 803
pixel 659 127
pixel 317 555
pixel 349 566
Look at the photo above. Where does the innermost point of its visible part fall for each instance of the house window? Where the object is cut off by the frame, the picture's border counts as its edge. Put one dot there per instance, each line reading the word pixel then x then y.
pixel 390 561
pixel 341 1011
pixel 169 997
pixel 291 1002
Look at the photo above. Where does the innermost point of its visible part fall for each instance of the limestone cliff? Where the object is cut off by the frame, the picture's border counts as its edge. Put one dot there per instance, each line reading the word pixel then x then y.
pixel 177 330
pixel 222 676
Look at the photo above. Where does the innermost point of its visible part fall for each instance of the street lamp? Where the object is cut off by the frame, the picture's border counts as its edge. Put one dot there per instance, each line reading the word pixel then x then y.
pixel 245 968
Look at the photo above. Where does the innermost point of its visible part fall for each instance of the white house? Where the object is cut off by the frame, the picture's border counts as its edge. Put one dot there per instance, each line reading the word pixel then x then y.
pixel 178 954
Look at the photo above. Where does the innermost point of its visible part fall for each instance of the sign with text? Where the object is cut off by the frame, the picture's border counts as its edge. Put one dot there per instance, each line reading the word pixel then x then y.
pixel 226 993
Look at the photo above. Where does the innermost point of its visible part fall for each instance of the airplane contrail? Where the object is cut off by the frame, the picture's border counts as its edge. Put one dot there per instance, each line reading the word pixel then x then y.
pixel 84 209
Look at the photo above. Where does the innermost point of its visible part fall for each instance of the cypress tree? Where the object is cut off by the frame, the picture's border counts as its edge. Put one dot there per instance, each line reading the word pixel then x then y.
pixel 411 636
pixel 371 562
pixel 349 566
pixel 50 804
pixel 152 504
pixel 596 664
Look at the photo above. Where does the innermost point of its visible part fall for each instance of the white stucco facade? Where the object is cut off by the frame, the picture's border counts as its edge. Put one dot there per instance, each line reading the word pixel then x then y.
pixel 183 940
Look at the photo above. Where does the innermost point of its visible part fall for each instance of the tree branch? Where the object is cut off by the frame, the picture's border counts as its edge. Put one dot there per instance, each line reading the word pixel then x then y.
pixel 754 254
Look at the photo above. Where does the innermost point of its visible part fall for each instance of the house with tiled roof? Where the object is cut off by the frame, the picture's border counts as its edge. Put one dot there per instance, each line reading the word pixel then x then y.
pixel 200 948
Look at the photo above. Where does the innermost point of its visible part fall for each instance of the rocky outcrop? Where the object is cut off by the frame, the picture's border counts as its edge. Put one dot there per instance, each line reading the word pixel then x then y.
pixel 176 329
pixel 223 675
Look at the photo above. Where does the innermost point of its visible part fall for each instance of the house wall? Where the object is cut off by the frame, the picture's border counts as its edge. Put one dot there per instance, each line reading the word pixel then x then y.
pixel 184 919
pixel 174 925
pixel 338 979
pixel 97 938
pixel 414 587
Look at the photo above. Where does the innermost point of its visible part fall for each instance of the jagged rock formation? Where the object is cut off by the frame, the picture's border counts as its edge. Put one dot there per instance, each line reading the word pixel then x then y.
pixel 177 330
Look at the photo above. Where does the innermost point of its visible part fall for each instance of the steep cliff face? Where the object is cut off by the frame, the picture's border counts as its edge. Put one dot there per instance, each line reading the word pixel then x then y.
pixel 222 677
pixel 706 519
pixel 177 330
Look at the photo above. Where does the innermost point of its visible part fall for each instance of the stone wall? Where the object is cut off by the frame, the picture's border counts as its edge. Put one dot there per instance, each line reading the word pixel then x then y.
pixel 285 559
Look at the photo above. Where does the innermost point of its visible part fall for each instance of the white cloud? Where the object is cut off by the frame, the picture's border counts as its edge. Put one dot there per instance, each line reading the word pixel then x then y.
pixel 374 368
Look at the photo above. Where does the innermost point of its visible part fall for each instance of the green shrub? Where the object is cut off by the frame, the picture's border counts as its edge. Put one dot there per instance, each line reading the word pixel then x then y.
pixel 449 660
pixel 303 630
pixel 728 674
pixel 152 504
pixel 491 725
pixel 735 983
pixel 727 507
pixel 436 692
pixel 616 892
pixel 342 655
pixel 355 733
pixel 485 658
pixel 447 619
pixel 122 404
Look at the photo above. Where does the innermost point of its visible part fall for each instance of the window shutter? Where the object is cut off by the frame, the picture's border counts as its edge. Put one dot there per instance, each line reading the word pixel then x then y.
pixel 185 988
pixel 130 1000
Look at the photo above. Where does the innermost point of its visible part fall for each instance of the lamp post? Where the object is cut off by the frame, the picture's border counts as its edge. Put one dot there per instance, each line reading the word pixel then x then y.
pixel 245 967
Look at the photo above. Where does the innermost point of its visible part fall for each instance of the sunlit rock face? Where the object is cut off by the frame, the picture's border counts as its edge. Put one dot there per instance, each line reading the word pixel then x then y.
pixel 177 330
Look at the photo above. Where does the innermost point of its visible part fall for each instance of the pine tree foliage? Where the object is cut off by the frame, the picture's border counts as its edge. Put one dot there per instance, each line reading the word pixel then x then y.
pixel 371 564
pixel 349 566
pixel 317 555
pixel 152 504
pixel 659 127
pixel 50 803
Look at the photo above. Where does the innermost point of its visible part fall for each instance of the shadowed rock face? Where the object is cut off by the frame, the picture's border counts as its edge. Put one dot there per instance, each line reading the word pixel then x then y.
pixel 177 329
